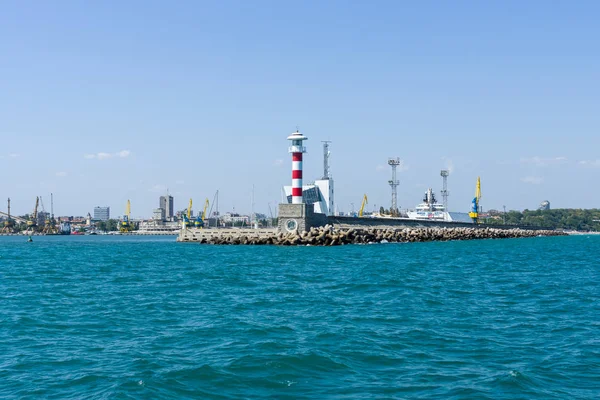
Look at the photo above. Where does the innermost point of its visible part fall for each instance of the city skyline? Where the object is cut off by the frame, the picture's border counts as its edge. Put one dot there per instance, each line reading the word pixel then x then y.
pixel 109 102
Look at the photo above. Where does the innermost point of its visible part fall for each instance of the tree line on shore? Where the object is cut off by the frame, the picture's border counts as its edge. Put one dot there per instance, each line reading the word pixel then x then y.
pixel 564 218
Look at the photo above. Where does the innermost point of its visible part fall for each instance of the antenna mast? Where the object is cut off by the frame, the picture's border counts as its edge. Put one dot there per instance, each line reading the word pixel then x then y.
pixel 445 193
pixel 326 153
pixel 394 183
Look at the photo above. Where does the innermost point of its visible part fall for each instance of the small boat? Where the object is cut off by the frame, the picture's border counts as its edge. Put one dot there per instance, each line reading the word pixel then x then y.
pixel 29 240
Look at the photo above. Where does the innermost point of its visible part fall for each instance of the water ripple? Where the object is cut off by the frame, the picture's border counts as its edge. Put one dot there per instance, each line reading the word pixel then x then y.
pixel 132 318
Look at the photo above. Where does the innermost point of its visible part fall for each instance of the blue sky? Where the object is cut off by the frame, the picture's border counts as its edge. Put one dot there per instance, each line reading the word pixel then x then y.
pixel 101 102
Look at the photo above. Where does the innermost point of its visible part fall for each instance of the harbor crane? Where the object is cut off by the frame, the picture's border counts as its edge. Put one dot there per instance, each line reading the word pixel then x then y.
pixel 204 211
pixel 474 214
pixel 215 214
pixel 9 224
pixel 32 222
pixel 126 223
pixel 52 219
pixel 201 219
pixel 187 215
pixel 10 228
pixel 49 223
pixel 365 201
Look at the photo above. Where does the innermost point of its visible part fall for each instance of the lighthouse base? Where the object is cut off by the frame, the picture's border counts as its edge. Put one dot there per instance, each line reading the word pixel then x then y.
pixel 299 218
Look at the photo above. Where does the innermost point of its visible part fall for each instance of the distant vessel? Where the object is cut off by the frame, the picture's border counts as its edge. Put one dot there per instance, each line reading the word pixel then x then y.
pixel 431 210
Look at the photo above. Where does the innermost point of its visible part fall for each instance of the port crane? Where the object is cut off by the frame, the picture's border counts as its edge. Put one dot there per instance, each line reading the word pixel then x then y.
pixel 365 201
pixel 32 222
pixel 204 212
pixel 52 219
pixel 187 215
pixel 200 220
pixel 49 223
pixel 45 215
pixel 474 214
pixel 126 223
pixel 210 210
pixel 9 224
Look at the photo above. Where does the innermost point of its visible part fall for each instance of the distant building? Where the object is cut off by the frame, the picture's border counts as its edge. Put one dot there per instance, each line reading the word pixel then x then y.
pixel 159 227
pixel 544 206
pixel 234 218
pixel 166 203
pixel 319 193
pixel 158 214
pixel 101 213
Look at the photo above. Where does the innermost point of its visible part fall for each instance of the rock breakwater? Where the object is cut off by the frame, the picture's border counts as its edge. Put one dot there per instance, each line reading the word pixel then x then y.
pixel 330 236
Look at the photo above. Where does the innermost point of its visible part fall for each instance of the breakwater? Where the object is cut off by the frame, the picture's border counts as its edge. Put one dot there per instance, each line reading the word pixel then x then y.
pixel 329 235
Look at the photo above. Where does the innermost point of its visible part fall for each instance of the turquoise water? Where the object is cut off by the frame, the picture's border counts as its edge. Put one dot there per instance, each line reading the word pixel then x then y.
pixel 135 317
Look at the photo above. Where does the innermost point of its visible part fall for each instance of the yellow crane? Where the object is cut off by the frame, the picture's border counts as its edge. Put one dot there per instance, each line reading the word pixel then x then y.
pixel 204 211
pixel 126 223
pixel 474 214
pixel 9 224
pixel 199 223
pixel 49 227
pixel 187 217
pixel 32 222
pixel 365 201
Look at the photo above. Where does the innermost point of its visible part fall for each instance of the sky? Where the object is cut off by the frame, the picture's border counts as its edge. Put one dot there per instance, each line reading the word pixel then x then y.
pixel 101 102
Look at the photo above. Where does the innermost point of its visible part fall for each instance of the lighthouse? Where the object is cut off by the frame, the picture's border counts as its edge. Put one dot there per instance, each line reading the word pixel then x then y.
pixel 299 215
pixel 297 149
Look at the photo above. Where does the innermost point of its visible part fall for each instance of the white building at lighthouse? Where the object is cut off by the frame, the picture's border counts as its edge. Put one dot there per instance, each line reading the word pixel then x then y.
pixel 320 192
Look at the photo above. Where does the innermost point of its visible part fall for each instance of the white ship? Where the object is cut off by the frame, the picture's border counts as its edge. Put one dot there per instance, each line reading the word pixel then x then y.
pixel 431 210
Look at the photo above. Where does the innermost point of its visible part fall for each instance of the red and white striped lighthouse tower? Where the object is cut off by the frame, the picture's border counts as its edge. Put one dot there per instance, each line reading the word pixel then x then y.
pixel 297 149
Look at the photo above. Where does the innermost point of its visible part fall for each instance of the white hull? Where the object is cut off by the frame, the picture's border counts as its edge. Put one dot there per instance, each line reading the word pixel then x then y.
pixel 429 215
pixel 439 216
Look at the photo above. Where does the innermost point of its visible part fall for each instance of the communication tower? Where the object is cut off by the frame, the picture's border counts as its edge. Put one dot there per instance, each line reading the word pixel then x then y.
pixel 394 162
pixel 326 153
pixel 445 193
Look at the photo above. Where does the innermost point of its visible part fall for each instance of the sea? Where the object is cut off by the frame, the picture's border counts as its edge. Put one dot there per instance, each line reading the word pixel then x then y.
pixel 133 317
